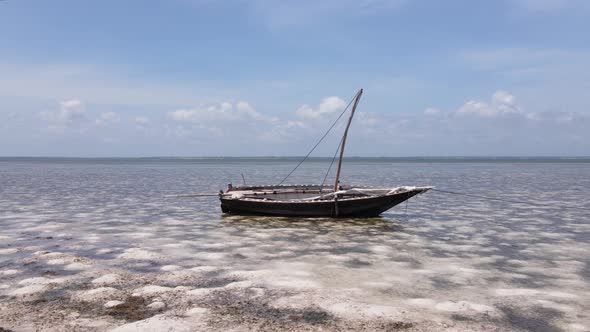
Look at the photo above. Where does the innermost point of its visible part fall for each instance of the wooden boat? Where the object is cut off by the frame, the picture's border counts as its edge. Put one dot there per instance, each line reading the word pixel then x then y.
pixel 316 200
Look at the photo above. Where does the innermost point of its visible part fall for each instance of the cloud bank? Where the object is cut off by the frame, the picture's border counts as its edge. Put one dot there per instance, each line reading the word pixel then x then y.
pixel 499 125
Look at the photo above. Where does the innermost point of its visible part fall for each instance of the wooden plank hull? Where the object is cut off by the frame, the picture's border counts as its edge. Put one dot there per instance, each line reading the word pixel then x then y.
pixel 352 207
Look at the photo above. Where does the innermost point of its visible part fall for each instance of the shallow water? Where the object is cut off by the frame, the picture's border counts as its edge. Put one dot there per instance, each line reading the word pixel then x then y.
pixel 441 261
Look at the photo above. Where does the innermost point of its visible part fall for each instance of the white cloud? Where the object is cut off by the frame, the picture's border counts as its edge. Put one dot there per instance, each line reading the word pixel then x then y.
pixel 308 122
pixel 503 103
pixel 495 125
pixel 106 119
pixel 558 117
pixel 283 131
pixel 295 124
pixel 432 111
pixel 245 109
pixel 238 121
pixel 141 121
pixel 72 104
pixel 328 106
pixel 219 113
pixel 476 108
pixel 538 73
pixel 69 112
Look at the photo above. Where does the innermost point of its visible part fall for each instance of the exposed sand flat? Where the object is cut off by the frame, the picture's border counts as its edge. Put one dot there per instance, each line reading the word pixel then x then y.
pixel 157 324
pixel 132 262
pixel 100 294
pixel 107 279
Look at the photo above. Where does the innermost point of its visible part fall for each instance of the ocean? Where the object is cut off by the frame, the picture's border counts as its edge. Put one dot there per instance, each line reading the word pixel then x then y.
pixel 77 235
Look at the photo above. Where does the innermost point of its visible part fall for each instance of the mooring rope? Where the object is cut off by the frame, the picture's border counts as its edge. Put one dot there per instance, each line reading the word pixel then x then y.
pixel 506 200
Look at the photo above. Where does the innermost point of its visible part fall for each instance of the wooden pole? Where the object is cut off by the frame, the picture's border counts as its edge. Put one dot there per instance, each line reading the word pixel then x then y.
pixel 356 101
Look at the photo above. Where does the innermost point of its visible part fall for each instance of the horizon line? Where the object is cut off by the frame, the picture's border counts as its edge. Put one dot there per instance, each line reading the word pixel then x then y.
pixel 301 156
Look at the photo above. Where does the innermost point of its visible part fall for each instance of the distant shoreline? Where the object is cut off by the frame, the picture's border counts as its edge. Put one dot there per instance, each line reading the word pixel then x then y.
pixel 457 159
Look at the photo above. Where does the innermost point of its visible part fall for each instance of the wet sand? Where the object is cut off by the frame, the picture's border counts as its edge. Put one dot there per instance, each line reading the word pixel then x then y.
pixel 94 262
pixel 319 275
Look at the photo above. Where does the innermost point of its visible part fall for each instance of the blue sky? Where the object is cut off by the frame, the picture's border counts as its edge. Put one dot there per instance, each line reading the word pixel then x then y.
pixel 240 78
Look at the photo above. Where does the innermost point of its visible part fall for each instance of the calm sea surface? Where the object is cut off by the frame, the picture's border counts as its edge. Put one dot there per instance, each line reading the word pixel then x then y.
pixel 441 258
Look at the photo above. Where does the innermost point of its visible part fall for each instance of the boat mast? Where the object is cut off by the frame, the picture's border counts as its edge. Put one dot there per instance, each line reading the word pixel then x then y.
pixel 356 101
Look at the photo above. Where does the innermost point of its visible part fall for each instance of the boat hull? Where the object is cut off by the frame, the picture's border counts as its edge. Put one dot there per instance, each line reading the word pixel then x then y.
pixel 352 207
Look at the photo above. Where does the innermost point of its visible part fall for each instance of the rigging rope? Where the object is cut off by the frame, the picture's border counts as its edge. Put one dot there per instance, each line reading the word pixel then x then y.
pixel 506 200
pixel 321 139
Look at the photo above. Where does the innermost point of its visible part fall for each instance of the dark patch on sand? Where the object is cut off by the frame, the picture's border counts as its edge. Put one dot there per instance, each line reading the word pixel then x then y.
pixel 461 318
pixel 132 309
pixel 215 282
pixel 440 282
pixel 586 271
pixel 537 320
pixel 230 308
pixel 209 280
pixel 357 263
pixel 394 326
pixel 46 312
